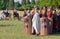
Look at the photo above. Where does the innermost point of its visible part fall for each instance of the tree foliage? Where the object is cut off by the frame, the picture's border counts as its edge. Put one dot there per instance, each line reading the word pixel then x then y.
pixel 9 4
pixel 42 3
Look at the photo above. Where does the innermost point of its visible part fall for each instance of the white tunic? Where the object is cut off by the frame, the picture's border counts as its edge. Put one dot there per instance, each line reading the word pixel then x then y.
pixel 36 22
pixel 3 16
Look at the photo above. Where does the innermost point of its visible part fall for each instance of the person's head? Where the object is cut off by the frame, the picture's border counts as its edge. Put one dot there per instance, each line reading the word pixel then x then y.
pixel 54 11
pixel 48 9
pixel 35 7
pixel 28 11
pixel 43 12
pixel 41 9
pixel 32 12
pixel 58 12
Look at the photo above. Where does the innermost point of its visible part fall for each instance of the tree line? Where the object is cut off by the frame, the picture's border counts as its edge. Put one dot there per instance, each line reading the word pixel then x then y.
pixel 26 4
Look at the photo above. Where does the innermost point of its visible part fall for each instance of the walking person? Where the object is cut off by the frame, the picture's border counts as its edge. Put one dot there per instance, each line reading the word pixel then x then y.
pixel 36 22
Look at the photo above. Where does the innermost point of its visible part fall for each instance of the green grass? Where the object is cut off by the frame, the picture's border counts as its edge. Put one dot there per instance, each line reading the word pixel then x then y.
pixel 14 30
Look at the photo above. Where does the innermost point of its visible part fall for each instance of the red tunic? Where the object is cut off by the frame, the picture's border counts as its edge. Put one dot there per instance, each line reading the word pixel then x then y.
pixel 49 14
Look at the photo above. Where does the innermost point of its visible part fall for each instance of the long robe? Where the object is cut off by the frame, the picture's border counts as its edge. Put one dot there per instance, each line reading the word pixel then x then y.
pixel 36 23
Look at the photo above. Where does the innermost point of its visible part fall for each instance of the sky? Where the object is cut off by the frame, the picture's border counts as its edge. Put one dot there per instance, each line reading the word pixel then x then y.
pixel 19 1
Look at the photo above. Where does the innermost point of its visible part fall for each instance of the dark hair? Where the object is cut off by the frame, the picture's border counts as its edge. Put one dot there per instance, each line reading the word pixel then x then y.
pixel 29 11
pixel 25 14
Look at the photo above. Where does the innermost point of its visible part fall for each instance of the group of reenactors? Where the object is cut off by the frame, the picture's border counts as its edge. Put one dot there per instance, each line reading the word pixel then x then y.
pixel 41 21
pixel 6 15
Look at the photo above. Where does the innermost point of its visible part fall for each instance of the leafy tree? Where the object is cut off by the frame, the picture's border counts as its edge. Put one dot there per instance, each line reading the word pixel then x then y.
pixel 2 4
pixel 10 4
pixel 17 5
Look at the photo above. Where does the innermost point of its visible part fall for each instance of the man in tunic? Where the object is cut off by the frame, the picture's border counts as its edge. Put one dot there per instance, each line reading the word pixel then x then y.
pixel 36 22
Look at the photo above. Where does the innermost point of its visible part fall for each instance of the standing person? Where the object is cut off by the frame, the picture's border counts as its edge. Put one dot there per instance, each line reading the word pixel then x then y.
pixel 44 23
pixel 49 15
pixel 27 19
pixel 36 22
pixel 57 21
pixel 54 21
pixel 45 10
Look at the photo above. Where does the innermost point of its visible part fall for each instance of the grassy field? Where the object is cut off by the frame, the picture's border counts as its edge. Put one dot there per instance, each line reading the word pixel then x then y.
pixel 14 30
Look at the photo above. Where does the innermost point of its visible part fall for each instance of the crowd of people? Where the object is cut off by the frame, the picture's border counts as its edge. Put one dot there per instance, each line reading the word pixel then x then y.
pixel 43 16
pixel 6 15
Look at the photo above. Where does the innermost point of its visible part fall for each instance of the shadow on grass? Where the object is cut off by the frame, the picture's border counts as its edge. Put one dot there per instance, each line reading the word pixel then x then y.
pixel 55 34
